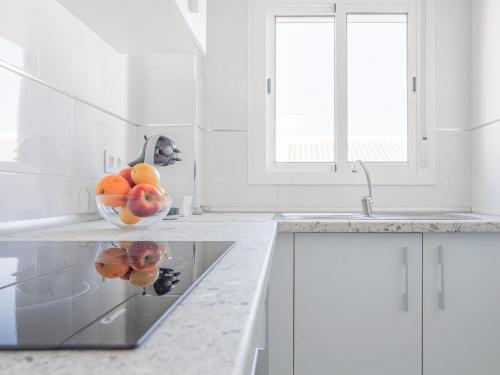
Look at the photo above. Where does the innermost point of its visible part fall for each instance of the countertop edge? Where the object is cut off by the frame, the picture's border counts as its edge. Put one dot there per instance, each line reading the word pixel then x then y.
pixel 387 226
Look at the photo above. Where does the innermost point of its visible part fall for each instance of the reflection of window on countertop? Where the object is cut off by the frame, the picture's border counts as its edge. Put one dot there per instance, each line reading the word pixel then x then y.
pixel 9 114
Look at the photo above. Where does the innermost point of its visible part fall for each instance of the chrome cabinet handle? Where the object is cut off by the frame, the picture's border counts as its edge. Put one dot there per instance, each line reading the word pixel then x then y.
pixel 406 302
pixel 441 264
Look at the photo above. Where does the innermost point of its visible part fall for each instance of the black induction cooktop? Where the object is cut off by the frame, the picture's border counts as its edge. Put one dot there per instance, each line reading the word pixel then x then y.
pixel 94 295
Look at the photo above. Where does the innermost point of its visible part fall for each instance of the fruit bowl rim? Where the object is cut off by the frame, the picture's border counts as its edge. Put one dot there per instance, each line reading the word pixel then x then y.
pixel 168 196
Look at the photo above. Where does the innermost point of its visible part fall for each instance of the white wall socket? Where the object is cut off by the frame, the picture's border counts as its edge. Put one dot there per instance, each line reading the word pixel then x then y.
pixel 112 163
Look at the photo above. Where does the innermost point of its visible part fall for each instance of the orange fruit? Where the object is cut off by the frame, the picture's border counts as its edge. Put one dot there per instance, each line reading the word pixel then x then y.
pixel 127 274
pixel 145 173
pixel 111 263
pixel 113 255
pixel 114 186
pixel 127 217
pixel 144 278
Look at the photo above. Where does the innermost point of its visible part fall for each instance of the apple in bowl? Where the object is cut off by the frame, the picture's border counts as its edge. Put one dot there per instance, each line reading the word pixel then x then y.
pixel 126 173
pixel 144 255
pixel 145 200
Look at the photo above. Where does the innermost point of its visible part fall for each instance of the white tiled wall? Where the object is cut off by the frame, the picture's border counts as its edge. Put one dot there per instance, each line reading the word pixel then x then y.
pixel 19 33
pixel 57 156
pixel 165 87
pixel 167 92
pixel 486 106
pixel 51 144
pixel 224 165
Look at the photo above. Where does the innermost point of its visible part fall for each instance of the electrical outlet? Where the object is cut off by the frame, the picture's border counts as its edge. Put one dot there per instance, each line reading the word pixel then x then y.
pixel 112 164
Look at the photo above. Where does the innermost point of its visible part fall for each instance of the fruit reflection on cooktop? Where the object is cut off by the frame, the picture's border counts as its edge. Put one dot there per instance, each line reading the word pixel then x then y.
pixel 94 294
pixel 138 262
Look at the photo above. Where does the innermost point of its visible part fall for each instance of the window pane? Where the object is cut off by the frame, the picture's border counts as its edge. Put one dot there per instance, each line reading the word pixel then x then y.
pixel 305 64
pixel 377 87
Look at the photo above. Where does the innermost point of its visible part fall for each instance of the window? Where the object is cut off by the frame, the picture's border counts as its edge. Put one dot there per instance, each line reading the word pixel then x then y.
pixel 377 90
pixel 305 89
pixel 341 84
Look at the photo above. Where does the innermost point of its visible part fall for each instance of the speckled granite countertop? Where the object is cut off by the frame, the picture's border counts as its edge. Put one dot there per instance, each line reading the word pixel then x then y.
pixel 481 223
pixel 212 330
pixel 463 223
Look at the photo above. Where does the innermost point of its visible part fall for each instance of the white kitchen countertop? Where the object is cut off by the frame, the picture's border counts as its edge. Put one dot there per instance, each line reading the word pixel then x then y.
pixel 210 332
pixel 481 223
pixel 213 330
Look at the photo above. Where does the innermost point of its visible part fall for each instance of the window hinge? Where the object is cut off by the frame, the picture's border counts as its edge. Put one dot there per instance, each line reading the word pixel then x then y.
pixel 335 8
pixel 269 85
pixel 414 80
pixel 335 167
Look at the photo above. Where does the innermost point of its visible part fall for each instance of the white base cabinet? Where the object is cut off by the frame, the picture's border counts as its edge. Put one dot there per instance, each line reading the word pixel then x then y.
pixel 358 304
pixel 386 304
pixel 461 304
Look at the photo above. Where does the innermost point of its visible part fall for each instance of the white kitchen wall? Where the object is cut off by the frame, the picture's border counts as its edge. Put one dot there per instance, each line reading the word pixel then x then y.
pixel 225 74
pixel 65 98
pixel 165 88
pixel 167 92
pixel 486 106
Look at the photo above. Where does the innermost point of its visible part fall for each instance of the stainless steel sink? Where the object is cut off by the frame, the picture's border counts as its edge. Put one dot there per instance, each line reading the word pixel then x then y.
pixel 319 216
pixel 381 216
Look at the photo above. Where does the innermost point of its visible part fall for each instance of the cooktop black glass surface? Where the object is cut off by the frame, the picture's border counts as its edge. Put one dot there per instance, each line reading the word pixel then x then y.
pixel 94 295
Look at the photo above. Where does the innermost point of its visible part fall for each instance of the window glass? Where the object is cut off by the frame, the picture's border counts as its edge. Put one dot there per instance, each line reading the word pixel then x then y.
pixel 305 87
pixel 377 87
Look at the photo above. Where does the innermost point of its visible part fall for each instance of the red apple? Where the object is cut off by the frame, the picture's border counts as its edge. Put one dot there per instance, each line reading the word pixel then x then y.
pixel 126 173
pixel 143 255
pixel 144 200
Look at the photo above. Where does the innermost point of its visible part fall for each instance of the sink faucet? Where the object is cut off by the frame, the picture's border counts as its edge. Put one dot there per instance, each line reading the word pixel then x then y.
pixel 367 201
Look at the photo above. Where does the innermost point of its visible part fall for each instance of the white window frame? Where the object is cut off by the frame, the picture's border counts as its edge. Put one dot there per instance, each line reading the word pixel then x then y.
pixel 419 170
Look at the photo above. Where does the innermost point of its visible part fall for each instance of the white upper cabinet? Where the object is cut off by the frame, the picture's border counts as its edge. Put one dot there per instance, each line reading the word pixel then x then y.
pixel 146 26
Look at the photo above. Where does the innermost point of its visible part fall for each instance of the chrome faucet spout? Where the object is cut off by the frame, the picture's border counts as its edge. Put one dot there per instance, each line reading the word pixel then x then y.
pixel 366 202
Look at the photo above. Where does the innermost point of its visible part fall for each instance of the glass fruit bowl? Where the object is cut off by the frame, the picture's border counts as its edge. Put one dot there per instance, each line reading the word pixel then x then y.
pixel 126 211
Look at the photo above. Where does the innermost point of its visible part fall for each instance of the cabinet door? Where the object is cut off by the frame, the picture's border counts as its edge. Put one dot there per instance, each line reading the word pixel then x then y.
pixel 462 304
pixel 358 304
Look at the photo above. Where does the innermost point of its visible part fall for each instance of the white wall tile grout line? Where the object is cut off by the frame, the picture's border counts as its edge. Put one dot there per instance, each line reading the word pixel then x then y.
pixel 208 130
pixel 25 74
pixel 497 121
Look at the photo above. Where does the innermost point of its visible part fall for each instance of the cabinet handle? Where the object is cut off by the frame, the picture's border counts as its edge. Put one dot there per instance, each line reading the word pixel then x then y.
pixel 406 302
pixel 441 264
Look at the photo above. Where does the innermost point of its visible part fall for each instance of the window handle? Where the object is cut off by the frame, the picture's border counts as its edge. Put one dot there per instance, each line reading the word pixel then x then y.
pixel 269 85
pixel 441 264
pixel 406 300
pixel 194 6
